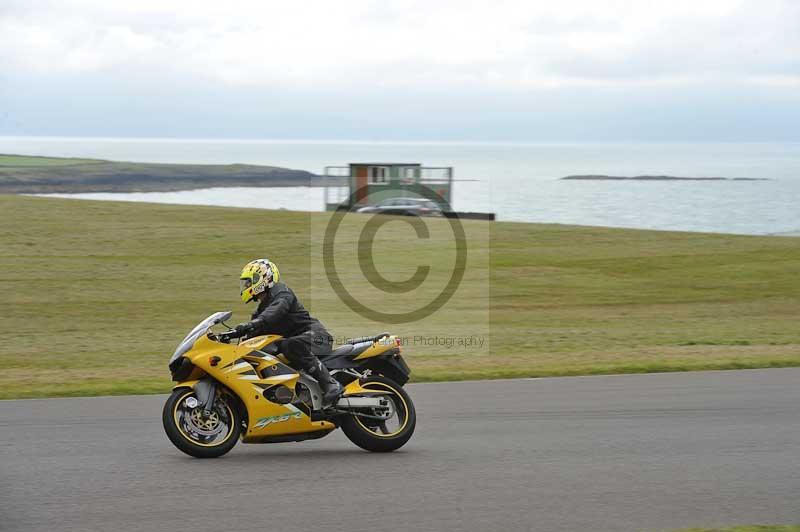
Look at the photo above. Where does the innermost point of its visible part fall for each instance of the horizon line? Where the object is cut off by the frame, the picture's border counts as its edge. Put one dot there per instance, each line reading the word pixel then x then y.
pixel 232 140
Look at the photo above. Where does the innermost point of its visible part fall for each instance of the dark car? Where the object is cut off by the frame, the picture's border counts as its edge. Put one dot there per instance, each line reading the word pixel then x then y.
pixel 405 207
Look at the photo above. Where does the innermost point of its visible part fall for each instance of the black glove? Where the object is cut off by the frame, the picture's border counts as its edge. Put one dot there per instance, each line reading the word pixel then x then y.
pixel 243 329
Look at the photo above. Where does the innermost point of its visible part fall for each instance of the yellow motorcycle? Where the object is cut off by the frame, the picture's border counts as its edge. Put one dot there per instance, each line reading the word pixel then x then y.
pixel 247 390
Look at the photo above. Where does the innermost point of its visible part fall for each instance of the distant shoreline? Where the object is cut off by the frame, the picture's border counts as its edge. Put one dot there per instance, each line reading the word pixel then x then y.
pixel 593 177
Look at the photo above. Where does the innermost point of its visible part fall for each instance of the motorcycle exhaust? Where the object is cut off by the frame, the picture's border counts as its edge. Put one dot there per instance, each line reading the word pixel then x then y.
pixel 349 403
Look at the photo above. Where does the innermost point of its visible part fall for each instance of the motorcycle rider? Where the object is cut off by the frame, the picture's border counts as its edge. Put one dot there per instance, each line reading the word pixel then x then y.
pixel 280 312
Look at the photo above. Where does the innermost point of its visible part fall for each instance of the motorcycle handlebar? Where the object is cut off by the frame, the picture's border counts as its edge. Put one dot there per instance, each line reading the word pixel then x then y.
pixel 224 337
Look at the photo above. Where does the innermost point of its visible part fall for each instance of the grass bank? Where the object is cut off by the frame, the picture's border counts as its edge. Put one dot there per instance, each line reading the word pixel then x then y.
pixel 95 295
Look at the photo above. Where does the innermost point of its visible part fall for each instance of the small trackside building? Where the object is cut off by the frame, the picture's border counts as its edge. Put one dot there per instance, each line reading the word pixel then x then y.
pixel 368 183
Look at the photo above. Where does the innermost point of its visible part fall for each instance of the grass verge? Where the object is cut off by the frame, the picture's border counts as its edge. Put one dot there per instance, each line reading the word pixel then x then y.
pixel 95 295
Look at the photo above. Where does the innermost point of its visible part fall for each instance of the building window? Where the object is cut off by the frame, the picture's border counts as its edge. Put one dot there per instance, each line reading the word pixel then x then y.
pixel 378 174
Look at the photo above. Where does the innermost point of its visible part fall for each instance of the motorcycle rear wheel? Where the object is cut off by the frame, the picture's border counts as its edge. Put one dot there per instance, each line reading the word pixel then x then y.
pixel 373 435
pixel 198 435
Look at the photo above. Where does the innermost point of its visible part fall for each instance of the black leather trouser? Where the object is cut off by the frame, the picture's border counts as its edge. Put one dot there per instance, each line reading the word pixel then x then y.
pixel 302 350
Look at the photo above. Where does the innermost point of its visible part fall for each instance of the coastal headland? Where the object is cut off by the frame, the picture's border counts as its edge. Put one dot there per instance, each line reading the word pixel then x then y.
pixel 22 174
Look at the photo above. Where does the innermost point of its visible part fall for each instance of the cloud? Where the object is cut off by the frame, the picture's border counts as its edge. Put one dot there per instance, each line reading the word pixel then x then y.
pixel 372 69
pixel 503 44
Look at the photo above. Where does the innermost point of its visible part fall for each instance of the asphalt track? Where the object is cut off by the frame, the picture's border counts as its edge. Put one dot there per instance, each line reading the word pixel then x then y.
pixel 637 452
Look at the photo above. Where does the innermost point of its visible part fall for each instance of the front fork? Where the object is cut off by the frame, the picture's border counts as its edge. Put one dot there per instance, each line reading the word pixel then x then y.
pixel 206 391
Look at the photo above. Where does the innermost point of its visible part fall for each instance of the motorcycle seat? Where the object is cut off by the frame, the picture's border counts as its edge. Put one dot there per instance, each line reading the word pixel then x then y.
pixel 362 339
pixel 347 350
pixel 340 351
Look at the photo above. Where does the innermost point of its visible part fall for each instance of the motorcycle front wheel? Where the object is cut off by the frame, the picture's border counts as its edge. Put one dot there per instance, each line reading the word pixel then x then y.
pixel 197 434
pixel 383 435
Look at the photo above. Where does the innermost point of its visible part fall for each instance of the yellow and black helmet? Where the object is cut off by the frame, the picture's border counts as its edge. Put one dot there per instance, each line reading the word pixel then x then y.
pixel 257 276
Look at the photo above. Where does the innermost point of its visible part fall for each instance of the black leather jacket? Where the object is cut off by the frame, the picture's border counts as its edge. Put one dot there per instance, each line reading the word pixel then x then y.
pixel 282 313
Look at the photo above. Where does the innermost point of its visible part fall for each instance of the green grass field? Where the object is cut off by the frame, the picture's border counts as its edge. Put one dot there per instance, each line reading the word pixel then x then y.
pixel 27 161
pixel 95 295
pixel 747 528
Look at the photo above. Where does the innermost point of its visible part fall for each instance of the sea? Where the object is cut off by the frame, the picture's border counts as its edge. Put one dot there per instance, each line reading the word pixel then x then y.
pixel 519 182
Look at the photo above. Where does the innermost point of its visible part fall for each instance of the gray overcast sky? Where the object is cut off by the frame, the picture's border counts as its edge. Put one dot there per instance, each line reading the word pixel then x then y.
pixel 566 70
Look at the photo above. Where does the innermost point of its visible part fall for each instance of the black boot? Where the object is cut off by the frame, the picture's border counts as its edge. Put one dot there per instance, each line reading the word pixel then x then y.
pixel 331 389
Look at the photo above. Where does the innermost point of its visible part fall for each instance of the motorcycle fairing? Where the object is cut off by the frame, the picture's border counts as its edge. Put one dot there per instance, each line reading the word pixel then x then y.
pixel 257 342
pixel 233 369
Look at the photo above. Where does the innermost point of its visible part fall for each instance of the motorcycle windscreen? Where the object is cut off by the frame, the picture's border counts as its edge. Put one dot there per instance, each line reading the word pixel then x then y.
pixel 199 330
